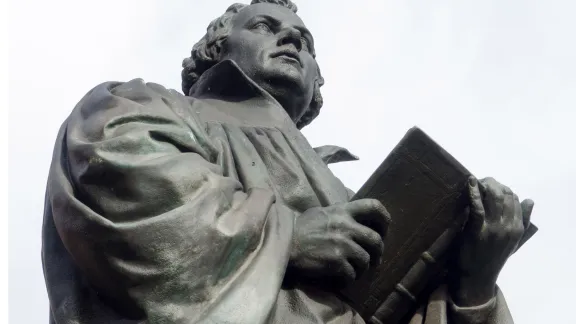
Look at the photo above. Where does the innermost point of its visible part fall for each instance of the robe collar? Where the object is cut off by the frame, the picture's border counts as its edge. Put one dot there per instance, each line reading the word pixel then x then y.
pixel 226 81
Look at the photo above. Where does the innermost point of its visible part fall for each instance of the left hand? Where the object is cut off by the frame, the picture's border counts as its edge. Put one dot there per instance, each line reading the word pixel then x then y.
pixel 495 226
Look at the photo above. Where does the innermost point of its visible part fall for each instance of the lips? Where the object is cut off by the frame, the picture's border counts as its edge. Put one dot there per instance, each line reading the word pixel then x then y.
pixel 290 55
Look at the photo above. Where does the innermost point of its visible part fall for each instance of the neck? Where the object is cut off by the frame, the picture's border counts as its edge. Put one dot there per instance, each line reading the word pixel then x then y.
pixel 294 105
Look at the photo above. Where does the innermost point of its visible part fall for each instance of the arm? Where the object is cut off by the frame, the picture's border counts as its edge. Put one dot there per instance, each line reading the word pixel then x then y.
pixel 151 221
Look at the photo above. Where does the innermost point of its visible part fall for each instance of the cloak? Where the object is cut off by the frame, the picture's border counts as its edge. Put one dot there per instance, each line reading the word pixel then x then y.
pixel 164 208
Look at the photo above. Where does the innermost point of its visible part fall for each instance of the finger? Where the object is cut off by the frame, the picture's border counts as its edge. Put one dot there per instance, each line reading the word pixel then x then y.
pixel 370 213
pixel 518 215
pixel 342 269
pixel 370 241
pixel 366 206
pixel 493 199
pixel 527 206
pixel 510 214
pixel 357 257
pixel 477 212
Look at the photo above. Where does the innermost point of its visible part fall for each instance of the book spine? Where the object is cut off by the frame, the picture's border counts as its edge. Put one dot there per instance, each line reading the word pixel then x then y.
pixel 406 293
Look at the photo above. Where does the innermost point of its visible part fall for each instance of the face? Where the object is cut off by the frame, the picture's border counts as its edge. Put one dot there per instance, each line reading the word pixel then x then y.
pixel 273 47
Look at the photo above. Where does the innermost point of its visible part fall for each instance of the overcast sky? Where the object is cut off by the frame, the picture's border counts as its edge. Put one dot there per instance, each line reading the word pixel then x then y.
pixel 494 82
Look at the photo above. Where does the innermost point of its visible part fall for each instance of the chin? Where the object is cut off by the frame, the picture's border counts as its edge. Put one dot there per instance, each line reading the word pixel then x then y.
pixel 286 79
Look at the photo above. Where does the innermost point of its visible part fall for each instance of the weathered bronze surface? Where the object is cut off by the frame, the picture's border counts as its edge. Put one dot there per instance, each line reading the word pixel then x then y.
pixel 211 206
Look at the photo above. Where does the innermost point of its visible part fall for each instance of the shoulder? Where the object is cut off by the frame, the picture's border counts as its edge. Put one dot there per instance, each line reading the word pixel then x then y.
pixel 111 101
pixel 134 94
pixel 136 90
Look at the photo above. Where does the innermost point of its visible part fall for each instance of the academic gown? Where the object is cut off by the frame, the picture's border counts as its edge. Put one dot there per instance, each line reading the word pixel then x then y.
pixel 164 208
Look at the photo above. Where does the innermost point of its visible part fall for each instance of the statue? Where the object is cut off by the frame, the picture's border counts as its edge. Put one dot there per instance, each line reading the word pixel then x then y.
pixel 211 207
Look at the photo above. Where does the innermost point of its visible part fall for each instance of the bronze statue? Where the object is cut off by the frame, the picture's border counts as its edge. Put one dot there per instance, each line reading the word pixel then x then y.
pixel 211 207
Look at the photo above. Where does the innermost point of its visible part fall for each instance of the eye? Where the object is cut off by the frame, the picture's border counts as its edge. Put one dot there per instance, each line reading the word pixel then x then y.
pixel 262 27
pixel 305 44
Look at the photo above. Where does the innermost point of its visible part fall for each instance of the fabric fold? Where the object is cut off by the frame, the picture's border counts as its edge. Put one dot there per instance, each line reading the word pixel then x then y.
pixel 164 208
pixel 153 218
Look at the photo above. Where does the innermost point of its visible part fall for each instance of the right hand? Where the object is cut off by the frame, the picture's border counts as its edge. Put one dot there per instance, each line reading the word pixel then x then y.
pixel 337 243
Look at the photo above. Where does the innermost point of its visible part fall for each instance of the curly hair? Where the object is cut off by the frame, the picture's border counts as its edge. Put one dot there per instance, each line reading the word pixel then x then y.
pixel 206 53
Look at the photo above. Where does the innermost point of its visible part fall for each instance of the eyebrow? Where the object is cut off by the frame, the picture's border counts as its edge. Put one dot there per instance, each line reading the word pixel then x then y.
pixel 303 30
pixel 276 22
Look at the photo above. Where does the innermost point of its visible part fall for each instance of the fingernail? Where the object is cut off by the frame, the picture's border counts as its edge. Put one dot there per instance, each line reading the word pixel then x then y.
pixel 473 182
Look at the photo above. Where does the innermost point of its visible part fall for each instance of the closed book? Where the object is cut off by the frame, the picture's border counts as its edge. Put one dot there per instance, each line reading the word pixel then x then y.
pixel 424 189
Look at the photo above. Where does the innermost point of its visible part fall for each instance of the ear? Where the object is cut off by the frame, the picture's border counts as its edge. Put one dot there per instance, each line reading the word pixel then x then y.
pixel 218 49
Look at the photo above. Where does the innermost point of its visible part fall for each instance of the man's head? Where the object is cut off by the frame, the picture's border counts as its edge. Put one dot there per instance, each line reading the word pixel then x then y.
pixel 272 46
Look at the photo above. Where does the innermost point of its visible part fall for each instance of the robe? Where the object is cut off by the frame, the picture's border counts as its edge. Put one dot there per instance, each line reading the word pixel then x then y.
pixel 165 208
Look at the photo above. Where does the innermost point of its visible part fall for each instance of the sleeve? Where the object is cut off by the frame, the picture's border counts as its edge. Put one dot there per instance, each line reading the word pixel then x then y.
pixel 149 218
pixel 441 309
pixel 331 154
pixel 495 311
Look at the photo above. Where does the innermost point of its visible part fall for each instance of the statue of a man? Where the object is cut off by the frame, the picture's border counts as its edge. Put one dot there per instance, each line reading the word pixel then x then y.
pixel 211 207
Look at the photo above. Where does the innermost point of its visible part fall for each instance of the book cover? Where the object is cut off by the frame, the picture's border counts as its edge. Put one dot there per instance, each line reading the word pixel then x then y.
pixel 423 188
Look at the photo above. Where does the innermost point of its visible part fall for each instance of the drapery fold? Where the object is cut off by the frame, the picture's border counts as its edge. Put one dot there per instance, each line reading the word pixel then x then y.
pixel 153 223
pixel 162 208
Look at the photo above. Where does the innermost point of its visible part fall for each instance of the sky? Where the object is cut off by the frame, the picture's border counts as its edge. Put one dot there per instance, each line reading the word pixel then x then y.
pixel 493 82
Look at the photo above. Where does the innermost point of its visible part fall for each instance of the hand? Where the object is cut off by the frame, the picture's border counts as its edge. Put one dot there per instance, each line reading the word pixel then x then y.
pixel 495 226
pixel 336 244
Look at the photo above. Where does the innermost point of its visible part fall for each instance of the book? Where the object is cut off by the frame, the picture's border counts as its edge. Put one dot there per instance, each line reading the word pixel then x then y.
pixel 424 189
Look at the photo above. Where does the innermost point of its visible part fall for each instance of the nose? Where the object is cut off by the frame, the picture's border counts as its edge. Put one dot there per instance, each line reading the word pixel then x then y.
pixel 291 36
